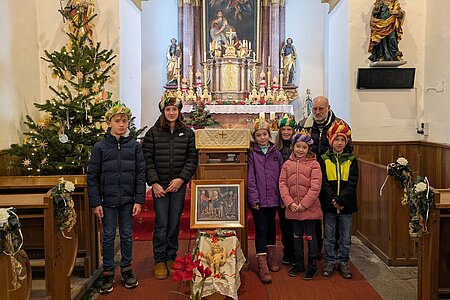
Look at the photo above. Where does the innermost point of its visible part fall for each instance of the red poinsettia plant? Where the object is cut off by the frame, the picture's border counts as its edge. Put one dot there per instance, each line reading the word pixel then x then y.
pixel 183 270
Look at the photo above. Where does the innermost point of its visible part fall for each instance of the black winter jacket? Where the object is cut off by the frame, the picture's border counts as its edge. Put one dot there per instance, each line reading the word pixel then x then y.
pixel 339 182
pixel 116 172
pixel 169 155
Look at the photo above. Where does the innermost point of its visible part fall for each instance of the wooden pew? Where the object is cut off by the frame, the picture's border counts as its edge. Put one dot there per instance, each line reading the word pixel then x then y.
pixel 86 226
pixel 381 222
pixel 59 252
pixel 434 261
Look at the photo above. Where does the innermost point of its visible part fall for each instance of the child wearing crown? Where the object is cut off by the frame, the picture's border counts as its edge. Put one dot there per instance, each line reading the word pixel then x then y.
pixel 116 188
pixel 300 183
pixel 264 165
pixel 338 197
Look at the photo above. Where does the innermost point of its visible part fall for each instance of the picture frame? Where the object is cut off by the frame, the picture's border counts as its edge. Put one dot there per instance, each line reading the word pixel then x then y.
pixel 217 204
pixel 243 17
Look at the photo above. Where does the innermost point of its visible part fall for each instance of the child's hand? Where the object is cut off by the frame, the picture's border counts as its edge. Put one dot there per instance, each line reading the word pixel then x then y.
pixel 293 207
pixel 174 185
pixel 158 190
pixel 256 207
pixel 136 209
pixel 98 211
pixel 301 207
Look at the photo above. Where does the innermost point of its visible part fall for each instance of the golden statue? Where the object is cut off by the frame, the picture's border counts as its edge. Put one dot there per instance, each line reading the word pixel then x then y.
pixel 216 258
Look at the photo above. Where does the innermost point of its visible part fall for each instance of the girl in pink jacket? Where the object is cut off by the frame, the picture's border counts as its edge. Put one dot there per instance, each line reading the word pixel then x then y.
pixel 300 183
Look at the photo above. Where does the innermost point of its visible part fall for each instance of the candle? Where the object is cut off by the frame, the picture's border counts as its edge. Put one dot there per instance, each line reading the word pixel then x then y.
pixel 254 56
pixel 262 115
pixel 204 56
pixel 268 60
pixel 190 60
pixel 178 63
pixel 281 62
pixel 249 45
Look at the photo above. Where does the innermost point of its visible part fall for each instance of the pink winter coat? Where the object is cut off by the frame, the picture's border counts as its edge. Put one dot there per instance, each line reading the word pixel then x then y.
pixel 300 182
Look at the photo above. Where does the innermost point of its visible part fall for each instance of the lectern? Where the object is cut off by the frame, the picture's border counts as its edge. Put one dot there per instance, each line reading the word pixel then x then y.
pixel 223 155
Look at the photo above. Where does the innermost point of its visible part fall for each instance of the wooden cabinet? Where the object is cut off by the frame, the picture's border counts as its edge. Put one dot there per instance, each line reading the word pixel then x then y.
pixel 226 164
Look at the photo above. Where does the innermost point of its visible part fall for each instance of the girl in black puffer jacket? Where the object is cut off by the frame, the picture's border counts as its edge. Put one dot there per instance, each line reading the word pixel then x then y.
pixel 171 159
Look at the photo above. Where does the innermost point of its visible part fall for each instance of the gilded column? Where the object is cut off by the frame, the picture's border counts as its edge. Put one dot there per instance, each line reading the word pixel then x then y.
pixel 274 37
pixel 197 52
pixel 265 32
pixel 187 34
pixel 282 23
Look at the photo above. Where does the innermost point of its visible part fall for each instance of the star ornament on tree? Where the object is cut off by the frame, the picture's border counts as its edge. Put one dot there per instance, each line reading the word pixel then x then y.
pixel 26 162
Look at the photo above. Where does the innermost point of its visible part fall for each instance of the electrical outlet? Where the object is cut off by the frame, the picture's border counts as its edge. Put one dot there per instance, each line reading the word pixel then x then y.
pixel 423 128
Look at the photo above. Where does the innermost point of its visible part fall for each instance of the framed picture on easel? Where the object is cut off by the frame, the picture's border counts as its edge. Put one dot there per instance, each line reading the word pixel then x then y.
pixel 243 18
pixel 217 204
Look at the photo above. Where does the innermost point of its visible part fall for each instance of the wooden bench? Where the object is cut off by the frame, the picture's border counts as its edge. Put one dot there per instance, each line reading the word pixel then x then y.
pixel 19 187
pixel 36 214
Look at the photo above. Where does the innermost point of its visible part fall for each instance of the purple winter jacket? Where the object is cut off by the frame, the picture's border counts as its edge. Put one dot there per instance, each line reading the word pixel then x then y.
pixel 263 174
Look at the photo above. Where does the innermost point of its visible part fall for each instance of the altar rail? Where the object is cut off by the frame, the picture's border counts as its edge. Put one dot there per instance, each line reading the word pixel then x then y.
pixel 20 187
pixel 59 252
pixel 382 221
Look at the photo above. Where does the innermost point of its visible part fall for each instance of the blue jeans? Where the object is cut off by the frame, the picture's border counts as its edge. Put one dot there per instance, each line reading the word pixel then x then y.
pixel 345 239
pixel 124 214
pixel 168 210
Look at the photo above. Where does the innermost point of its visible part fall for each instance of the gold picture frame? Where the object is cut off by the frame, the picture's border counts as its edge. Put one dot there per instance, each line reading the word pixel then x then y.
pixel 244 17
pixel 217 204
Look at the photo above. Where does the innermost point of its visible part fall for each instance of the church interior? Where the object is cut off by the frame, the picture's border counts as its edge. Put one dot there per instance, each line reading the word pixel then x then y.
pixel 230 65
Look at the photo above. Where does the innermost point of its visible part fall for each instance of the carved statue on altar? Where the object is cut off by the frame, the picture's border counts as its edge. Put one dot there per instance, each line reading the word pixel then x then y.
pixel 262 84
pixel 386 31
pixel 198 83
pixel 288 61
pixel 173 56
pixel 216 258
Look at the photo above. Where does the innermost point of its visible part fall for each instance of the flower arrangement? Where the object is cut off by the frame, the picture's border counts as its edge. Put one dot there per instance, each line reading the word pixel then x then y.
pixel 64 206
pixel 200 116
pixel 11 241
pixel 183 270
pixel 418 195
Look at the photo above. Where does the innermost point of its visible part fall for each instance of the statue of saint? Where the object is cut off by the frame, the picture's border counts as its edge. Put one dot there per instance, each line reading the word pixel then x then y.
pixel 289 57
pixel 386 31
pixel 173 56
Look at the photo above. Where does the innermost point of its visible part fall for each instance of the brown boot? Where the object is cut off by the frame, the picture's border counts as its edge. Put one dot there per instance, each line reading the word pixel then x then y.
pixel 161 271
pixel 272 258
pixel 264 273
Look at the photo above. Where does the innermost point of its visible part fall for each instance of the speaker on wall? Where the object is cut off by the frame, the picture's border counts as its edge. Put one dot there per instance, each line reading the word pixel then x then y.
pixel 385 78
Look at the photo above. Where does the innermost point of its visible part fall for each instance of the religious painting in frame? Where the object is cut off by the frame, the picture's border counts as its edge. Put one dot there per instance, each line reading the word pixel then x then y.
pixel 242 17
pixel 217 204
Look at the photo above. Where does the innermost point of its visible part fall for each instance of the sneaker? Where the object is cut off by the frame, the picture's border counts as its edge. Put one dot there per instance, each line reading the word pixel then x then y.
pixel 311 272
pixel 128 278
pixel 328 269
pixel 108 283
pixel 344 268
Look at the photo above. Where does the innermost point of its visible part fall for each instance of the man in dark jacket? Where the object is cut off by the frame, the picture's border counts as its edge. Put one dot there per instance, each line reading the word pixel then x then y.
pixel 317 125
pixel 116 188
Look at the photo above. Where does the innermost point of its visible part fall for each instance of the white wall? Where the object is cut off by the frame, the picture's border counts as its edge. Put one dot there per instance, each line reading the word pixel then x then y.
pixel 19 68
pixel 437 71
pixel 305 25
pixel 130 58
pixel 159 25
pixel 385 115
pixel 337 57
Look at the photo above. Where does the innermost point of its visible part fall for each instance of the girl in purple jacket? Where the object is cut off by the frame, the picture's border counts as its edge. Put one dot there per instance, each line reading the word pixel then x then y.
pixel 264 165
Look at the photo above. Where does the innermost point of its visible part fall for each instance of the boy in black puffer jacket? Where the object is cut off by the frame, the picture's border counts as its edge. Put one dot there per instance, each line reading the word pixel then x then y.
pixel 116 188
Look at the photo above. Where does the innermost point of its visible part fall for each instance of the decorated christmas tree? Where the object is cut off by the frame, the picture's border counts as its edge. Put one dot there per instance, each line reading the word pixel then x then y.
pixel 73 119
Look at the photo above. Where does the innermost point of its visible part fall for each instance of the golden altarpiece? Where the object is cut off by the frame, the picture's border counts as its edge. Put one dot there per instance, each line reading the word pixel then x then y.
pixel 231 61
